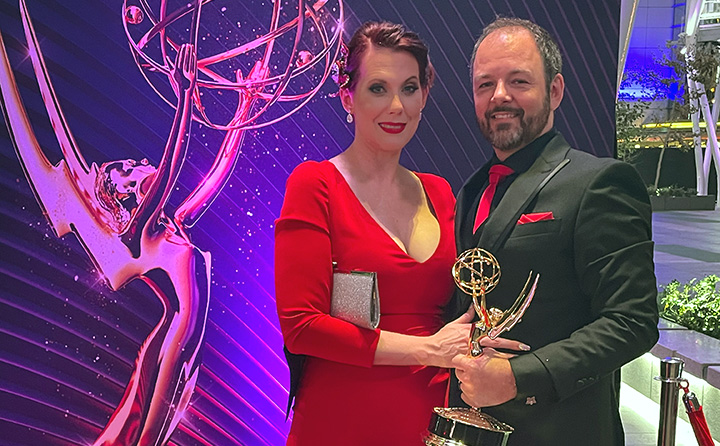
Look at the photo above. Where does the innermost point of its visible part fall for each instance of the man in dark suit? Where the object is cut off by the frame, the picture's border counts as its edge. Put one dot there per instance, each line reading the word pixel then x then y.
pixel 583 223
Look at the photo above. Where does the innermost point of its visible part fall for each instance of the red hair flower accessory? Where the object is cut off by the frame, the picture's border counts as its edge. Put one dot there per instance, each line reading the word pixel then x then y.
pixel 339 74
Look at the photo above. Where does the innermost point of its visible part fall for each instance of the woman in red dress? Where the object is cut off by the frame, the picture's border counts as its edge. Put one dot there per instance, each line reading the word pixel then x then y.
pixel 364 211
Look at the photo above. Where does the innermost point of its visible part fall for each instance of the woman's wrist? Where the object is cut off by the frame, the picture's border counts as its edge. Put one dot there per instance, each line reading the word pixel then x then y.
pixel 426 350
pixel 403 349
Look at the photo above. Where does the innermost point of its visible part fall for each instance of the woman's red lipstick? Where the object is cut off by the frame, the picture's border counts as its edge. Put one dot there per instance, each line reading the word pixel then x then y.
pixel 392 127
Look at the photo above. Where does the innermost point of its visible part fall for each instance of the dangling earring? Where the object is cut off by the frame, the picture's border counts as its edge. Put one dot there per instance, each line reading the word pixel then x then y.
pixel 420 118
pixel 349 118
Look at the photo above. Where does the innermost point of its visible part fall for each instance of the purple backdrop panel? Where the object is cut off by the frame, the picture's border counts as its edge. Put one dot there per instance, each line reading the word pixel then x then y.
pixel 69 342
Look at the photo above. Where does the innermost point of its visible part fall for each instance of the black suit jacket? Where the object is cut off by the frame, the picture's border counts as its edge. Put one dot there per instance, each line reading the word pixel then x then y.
pixel 595 308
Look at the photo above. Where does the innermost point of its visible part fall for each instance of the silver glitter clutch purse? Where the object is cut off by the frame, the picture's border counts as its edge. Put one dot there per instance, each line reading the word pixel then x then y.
pixel 355 298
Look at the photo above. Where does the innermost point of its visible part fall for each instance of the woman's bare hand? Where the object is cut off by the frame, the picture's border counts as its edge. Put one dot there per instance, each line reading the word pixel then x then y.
pixel 505 344
pixel 449 341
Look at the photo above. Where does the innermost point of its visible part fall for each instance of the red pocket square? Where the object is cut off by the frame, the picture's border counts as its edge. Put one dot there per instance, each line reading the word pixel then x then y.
pixel 532 218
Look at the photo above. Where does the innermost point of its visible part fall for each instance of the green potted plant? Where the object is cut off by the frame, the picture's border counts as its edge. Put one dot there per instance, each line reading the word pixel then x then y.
pixel 695 305
pixel 678 198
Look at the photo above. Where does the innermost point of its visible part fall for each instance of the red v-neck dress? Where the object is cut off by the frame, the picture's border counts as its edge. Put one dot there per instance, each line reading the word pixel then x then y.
pixel 343 399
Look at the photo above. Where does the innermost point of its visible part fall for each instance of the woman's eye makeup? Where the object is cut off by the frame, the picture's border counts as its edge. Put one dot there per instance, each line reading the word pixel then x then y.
pixel 407 89
pixel 411 88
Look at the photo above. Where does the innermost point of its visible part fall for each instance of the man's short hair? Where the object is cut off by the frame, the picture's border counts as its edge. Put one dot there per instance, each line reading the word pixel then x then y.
pixel 549 51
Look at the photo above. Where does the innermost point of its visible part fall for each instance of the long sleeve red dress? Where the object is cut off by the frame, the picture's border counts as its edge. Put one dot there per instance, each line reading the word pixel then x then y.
pixel 343 399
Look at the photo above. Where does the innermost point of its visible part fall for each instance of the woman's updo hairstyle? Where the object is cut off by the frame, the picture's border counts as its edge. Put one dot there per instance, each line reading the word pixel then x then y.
pixel 383 35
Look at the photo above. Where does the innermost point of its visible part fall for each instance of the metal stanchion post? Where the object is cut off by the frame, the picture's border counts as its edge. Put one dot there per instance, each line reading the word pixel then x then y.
pixel 670 374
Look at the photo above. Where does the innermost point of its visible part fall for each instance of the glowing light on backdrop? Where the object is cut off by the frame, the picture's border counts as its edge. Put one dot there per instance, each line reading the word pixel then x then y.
pixel 121 210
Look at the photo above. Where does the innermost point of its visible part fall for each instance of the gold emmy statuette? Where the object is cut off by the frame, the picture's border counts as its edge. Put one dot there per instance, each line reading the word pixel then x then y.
pixel 476 272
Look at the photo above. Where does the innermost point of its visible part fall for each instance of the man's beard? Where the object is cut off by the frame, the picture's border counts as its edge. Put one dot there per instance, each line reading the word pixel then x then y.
pixel 509 137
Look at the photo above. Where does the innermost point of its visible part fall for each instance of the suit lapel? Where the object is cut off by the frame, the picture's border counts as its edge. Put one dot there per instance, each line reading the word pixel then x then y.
pixel 521 191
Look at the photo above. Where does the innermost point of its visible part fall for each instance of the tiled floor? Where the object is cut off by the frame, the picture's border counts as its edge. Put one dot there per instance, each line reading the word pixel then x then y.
pixel 687 245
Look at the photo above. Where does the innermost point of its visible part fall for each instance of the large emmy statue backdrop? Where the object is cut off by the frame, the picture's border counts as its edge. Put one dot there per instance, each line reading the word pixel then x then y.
pixel 143 163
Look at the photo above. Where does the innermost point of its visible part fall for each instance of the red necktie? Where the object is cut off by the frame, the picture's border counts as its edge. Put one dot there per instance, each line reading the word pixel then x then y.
pixel 497 173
